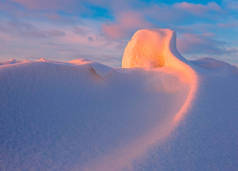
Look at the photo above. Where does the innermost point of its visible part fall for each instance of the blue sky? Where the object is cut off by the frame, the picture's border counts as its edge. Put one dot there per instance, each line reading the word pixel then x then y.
pixel 99 30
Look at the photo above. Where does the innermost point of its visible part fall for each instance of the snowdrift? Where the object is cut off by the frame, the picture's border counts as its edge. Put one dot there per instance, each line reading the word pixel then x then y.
pixel 159 112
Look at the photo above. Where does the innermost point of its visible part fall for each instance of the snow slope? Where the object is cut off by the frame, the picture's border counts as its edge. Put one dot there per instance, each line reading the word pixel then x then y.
pixel 160 112
pixel 208 137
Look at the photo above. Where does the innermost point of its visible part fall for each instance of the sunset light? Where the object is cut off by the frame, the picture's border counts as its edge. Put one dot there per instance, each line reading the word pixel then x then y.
pixel 140 85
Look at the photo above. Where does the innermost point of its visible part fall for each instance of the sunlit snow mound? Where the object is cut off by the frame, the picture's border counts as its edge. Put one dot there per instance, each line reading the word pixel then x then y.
pixel 151 49
pixel 159 112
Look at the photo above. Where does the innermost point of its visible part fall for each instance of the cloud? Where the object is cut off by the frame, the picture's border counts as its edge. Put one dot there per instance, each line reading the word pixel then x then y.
pixel 45 4
pixel 157 15
pixel 125 23
pixel 233 24
pixel 23 40
pixel 28 30
pixel 183 13
pixel 158 12
pixel 200 44
pixel 197 9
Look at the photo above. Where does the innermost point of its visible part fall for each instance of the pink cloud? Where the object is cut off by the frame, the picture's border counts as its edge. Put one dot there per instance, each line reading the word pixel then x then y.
pixel 197 8
pixel 125 23
pixel 200 44
pixel 45 4
pixel 28 30
pixel 229 25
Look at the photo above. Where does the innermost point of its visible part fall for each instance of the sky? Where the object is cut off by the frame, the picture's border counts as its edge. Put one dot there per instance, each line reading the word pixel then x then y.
pixel 99 30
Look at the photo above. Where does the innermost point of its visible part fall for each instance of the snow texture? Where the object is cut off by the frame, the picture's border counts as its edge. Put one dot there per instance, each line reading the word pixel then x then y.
pixel 159 112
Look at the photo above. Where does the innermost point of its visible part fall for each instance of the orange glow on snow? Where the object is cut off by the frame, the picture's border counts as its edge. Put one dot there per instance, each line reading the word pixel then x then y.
pixel 157 48
pixel 79 61
pixel 151 49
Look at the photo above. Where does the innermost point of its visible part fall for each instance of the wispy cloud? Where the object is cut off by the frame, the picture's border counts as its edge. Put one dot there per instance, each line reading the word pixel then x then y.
pixel 28 30
pixel 200 44
pixel 124 24
pixel 204 45
pixel 198 9
pixel 45 4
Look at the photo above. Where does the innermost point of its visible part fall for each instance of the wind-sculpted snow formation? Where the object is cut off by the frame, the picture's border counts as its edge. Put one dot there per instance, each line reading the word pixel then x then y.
pixel 157 48
pixel 159 112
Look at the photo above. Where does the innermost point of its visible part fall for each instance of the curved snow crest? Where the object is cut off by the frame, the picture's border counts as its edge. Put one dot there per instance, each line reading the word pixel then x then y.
pixel 152 49
pixel 156 48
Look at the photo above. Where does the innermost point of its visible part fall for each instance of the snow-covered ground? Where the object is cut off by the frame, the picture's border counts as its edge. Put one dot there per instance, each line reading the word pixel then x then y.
pixel 158 112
